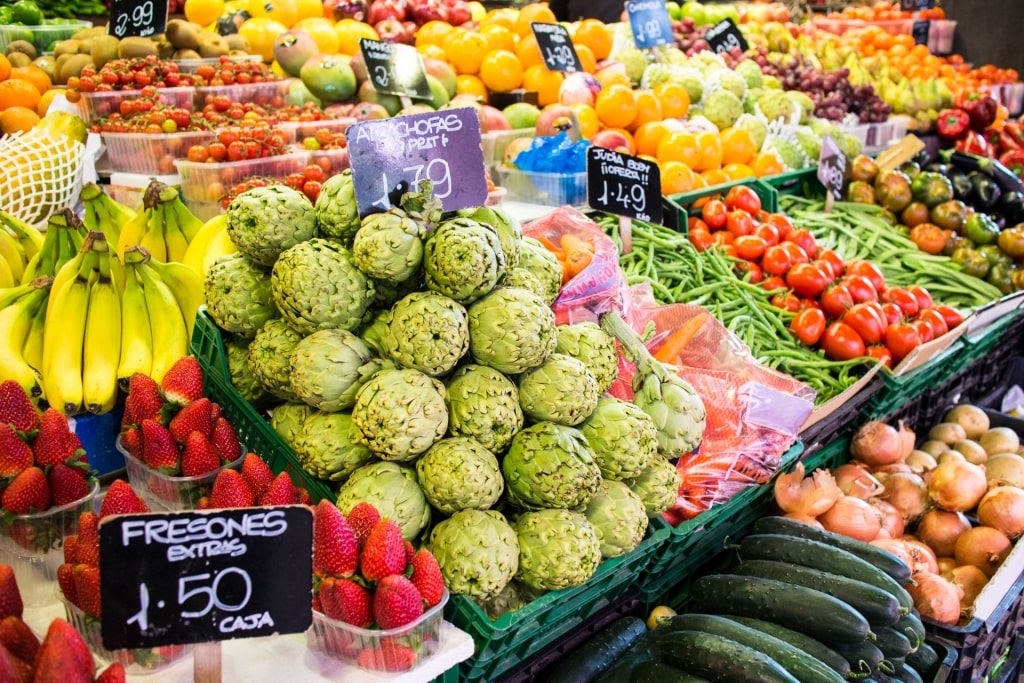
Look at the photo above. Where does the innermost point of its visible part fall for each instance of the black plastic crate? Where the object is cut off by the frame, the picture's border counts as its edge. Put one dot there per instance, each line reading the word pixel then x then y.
pixel 1011 669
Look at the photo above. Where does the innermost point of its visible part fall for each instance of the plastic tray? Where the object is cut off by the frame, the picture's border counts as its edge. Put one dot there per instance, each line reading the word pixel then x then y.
pixel 162 492
pixel 258 93
pixel 875 137
pixel 548 189
pixel 297 131
pixel 150 154
pixel 190 65
pixel 681 204
pixel 333 161
pixel 98 105
pixel 495 143
pixel 203 182
pixel 41 36
pixel 204 211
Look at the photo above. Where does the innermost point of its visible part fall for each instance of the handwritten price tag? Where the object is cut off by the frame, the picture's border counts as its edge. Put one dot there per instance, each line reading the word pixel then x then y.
pixel 725 36
pixel 624 185
pixel 395 69
pixel 556 47
pixel 135 18
pixel 832 167
pixel 920 31
pixel 915 5
pixel 650 23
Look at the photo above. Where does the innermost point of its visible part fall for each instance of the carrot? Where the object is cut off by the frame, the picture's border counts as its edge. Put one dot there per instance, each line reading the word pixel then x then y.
pixel 578 254
pixel 673 346
pixel 552 247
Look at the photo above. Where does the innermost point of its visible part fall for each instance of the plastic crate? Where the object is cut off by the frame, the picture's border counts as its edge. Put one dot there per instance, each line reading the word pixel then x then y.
pixel 1013 374
pixel 842 420
pixel 208 182
pixel 42 36
pixel 189 66
pixel 875 137
pixel 681 204
pixel 548 189
pixel 798 182
pixel 947 660
pixel 503 644
pixel 98 105
pixel 259 93
pixel 829 456
pixel 150 154
pixel 296 131
pixel 907 395
pixel 1011 668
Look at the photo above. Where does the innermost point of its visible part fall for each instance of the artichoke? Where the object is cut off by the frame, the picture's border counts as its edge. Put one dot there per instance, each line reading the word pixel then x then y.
pixel 544 266
pixel 386 293
pixel 373 333
pixel 238 295
pixel 325 447
pixel 329 367
pixel 463 259
pixel 550 465
pixel 511 330
pixel 393 490
pixel 399 414
pixel 388 246
pixel 619 518
pixel 561 389
pixel 521 278
pixel 264 221
pixel 287 419
pixel 557 549
pixel 457 473
pixel 336 212
pixel 509 599
pixel 510 232
pixel 477 550
pixel 657 486
pixel 622 437
pixel 317 287
pixel 483 404
pixel 242 379
pixel 587 342
pixel 270 357
pixel 422 206
pixel 427 331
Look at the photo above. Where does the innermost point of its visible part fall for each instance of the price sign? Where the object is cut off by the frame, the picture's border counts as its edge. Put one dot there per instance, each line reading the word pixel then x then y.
pixel 832 167
pixel 650 23
pixel 920 32
pixel 137 17
pixel 623 184
pixel 556 47
pixel 915 5
pixel 210 575
pixel 390 156
pixel 395 69
pixel 725 36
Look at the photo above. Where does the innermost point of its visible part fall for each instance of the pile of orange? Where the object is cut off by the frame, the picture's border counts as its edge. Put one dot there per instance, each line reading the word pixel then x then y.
pixel 25 94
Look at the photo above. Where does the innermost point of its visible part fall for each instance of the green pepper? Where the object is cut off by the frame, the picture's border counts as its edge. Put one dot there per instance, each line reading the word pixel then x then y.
pixel 981 229
pixel 1001 277
pixel 994 255
pixel 971 262
pixel 6 15
pixel 26 12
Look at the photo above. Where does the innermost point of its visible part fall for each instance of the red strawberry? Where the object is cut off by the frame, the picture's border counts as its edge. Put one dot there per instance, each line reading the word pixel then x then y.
pixel 121 499
pixel 257 473
pixel 389 656
pixel 225 440
pixel 66 582
pixel 112 674
pixel 195 417
pixel 410 552
pixel 363 517
pixel 131 439
pixel 28 492
pixel 302 496
pixel 346 601
pixel 63 657
pixel 183 382
pixel 14 669
pixel 16 408
pixel 280 492
pixel 15 454
pixel 144 400
pixel 230 491
pixel 396 602
pixel 159 451
pixel 335 549
pixel 426 575
pixel 67 485
pixel 199 456
pixel 384 552
pixel 215 411
pixel 71 548
pixel 18 638
pixel 55 441
pixel 87 547
pixel 87 589
pixel 10 596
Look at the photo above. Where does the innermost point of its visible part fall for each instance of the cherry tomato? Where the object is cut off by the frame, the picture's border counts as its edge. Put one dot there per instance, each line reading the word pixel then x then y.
pixel 750 247
pixel 781 223
pixel 906 301
pixel 833 259
pixel 773 282
pixel 950 315
pixel 935 321
pixel 739 223
pixel 924 330
pixel 868 270
pixel 796 253
pixel 749 270
pixel 804 239
pixel 868 321
pixel 805 279
pixel 901 339
pixel 768 232
pixel 714 213
pixel 861 288
pixel 744 198
pixel 723 238
pixel 808 325
pixel 700 238
pixel 728 249
pixel 881 354
pixel 841 342
pixel 776 260
pixel 808 302
pixel 892 312
pixel 924 299
pixel 691 223
pixel 836 300
pixel 786 301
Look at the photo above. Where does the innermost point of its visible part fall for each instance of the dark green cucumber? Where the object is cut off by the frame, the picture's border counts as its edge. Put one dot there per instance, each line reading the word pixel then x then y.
pixel 877 557
pixel 891 642
pixel 659 672
pixel 864 657
pixel 718 658
pixel 804 668
pixel 878 607
pixel 823 557
pixel 925 660
pixel 805 643
pixel 911 626
pixel 909 675
pixel 588 661
pixel 802 609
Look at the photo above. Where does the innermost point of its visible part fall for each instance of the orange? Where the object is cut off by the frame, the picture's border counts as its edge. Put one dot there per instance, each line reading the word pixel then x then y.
pixel 678 146
pixel 613 74
pixel 675 100
pixel 205 12
pixel 431 50
pixel 587 117
pixel 595 35
pixel 17 119
pixel 648 108
pixel 615 106
pixel 5 68
pixel 466 51
pixel 260 32
pixel 715 176
pixel 452 37
pixel 15 92
pixel 34 75
pixel 501 71
pixel 677 178
pixel 499 36
pixel 765 164
pixel 533 12
pixel 738 146
pixel 283 11
pixel 322 32
pixel 44 101
pixel 710 151
pixel 587 60
pixel 350 31
pixel 432 32
pixel 546 83
pixel 502 16
pixel 528 51
pixel 468 84
pixel 307 9
pixel 738 171
pixel 647 137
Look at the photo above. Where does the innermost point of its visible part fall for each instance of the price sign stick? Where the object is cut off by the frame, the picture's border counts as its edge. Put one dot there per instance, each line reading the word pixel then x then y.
pixel 626 233
pixel 829 198
pixel 405 100
pixel 206 662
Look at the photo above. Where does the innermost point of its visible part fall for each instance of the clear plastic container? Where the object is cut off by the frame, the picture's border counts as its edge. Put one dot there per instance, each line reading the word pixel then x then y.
pixel 204 211
pixel 148 153
pixel 549 189
pixel 42 36
pixel 940 36
pixel 363 647
pixel 258 93
pixel 162 492
pixel 98 105
pixel 1010 95
pixel 874 137
pixel 297 131
pixel 187 66
pixel 207 182
pixel 333 161
pixel 496 142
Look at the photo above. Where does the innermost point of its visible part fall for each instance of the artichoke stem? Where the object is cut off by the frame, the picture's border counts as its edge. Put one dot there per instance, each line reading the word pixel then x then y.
pixel 646 364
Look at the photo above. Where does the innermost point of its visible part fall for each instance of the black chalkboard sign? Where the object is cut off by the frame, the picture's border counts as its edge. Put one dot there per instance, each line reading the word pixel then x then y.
pixel 725 36
pixel 915 5
pixel 137 17
pixel 623 184
pixel 920 32
pixel 556 47
pixel 394 68
pixel 832 167
pixel 203 576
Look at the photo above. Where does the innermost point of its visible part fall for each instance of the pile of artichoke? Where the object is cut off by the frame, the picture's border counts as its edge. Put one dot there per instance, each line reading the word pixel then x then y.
pixel 411 359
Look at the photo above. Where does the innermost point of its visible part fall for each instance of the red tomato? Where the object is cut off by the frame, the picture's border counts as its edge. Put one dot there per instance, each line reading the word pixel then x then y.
pixel 744 198
pixel 924 330
pixel 768 232
pixel 808 302
pixel 893 313
pixel 881 354
pixel 901 339
pixel 713 214
pixel 782 224
pixel 796 254
pixel 804 239
pixel 808 325
pixel 739 223
pixel 950 315
pixel 773 282
pixel 868 321
pixel 723 237
pixel 749 270
pixel 861 288
pixel 805 279
pixel 868 270
pixel 750 247
pixel 728 249
pixel 786 301
pixel 902 298
pixel 833 259
pixel 841 342
pixel 826 268
pixel 924 299
pixel 836 299
pixel 693 223
pixel 701 238
pixel 935 321
pixel 776 260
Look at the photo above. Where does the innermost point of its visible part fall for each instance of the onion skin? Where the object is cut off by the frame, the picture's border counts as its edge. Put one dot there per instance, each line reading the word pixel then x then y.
pixel 876 443
pixel 956 485
pixel 892 519
pixel 906 492
pixel 854 479
pixel 852 517
pixel 897 547
pixel 939 529
pixel 936 598
pixel 923 558
pixel 1002 508
pixel 983 547
pixel 809 496
pixel 908 438
pixel 947 564
pixel 970 580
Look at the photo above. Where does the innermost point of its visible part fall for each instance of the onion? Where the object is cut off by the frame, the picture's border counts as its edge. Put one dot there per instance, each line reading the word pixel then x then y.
pixel 892 519
pixel 970 580
pixel 957 485
pixel 804 519
pixel 907 438
pixel 897 547
pixel 947 432
pixel 852 517
pixel 939 529
pixel 1003 508
pixel 1005 468
pixel 984 547
pixel 890 469
pixel 907 493
pixel 854 480
pixel 973 419
pixel 936 598
pixel 947 564
pixel 999 440
pixel 923 558
pixel 921 461
pixel 972 451
pixel 876 443
pixel 809 496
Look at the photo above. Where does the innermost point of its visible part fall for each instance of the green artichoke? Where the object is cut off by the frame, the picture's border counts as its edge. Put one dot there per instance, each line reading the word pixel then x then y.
pixel 510 232
pixel 511 330
pixel 622 436
pixel 373 333
pixel 544 266
pixel 657 486
pixel 427 331
pixel 462 259
pixel 483 404
pixel 238 295
pixel 329 367
pixel 550 465
pixel 399 414
pixel 388 246
pixel 287 419
pixel 242 379
pixel 264 221
pixel 457 473
pixel 587 342
pixel 326 448
pixel 387 293
pixel 270 357
pixel 317 287
pixel 619 518
pixel 561 389
pixel 477 550
pixel 509 599
pixel 422 206
pixel 337 215
pixel 393 490
pixel 557 549
pixel 521 278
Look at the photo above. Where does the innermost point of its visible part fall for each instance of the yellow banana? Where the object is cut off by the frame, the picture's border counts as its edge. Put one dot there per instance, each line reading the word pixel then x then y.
pixel 177 243
pixel 32 351
pixel 6 275
pixel 30 238
pixel 8 295
pixel 65 334
pixel 199 249
pixel 103 213
pixel 167 324
pixel 136 347
pixel 101 347
pixel 186 287
pixel 154 240
pixel 188 222
pixel 11 252
pixel 15 322
pixel 133 231
pixel 71 267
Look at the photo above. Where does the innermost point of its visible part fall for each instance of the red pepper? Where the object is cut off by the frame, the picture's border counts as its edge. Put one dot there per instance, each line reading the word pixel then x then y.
pixel 952 123
pixel 1015 130
pixel 1013 160
pixel 975 143
pixel 982 109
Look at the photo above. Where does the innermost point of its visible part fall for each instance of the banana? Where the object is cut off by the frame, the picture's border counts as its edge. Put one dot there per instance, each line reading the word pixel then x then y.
pixel 133 231
pixel 101 347
pixel 15 322
pixel 154 240
pixel 11 252
pixel 8 295
pixel 183 216
pixel 30 238
pixel 136 347
pixel 186 286
pixel 103 213
pixel 196 256
pixel 177 243
pixel 32 351
pixel 6 275
pixel 167 324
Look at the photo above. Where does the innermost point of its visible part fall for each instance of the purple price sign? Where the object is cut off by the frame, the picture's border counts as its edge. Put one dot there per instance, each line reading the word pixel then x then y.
pixel 390 156
pixel 832 167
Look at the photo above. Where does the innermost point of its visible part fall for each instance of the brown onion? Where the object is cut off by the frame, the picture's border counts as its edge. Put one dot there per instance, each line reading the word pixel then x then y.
pixel 984 547
pixel 970 580
pixel 936 598
pixel 809 496
pixel 947 564
pixel 804 519
pixel 892 518
pixel 897 547
pixel 890 469
pixel 939 529
pixel 854 480
pixel 922 557
pixel 852 517
pixel 907 493
pixel 957 485
pixel 907 438
pixel 1003 508
pixel 877 443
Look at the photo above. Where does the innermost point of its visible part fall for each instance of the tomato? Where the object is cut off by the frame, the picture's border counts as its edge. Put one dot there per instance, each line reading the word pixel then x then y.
pixel 841 342
pixel 902 298
pixel 773 282
pixel 723 237
pixel 881 354
pixel 786 301
pixel 861 288
pixel 924 330
pixel 924 299
pixel 693 223
pixel 739 223
pixel 892 312
pixel 714 213
pixel 935 321
pixel 950 315
pixel 728 249
pixel 826 269
pixel 836 299
pixel 868 320
pixel 749 271
pixel 701 238
pixel 768 232
pixel 776 260
pixel 750 247
pixel 808 325
pixel 868 270
pixel 901 339
pixel 803 239
pixel 805 279
pixel 808 302
pixel 833 259
pixel 744 198
pixel 782 224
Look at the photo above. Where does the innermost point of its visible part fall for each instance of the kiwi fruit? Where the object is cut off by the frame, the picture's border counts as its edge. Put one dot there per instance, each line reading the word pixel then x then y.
pixel 135 46
pixel 212 46
pixel 66 47
pixel 180 55
pixel 237 41
pixel 88 33
pixel 103 49
pixel 22 46
pixel 18 59
pixel 164 49
pixel 72 66
pixel 47 63
pixel 183 35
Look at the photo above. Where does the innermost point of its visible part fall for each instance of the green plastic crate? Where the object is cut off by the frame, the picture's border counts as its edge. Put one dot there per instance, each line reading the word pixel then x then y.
pixel 898 391
pixel 676 213
pixel 829 457
pixel 802 182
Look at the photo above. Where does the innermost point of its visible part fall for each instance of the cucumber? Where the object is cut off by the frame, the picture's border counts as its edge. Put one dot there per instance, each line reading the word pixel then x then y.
pixel 804 668
pixel 823 557
pixel 718 658
pixel 660 672
pixel 911 626
pixel 588 661
pixel 864 657
pixel 801 609
pixel 891 642
pixel 925 660
pixel 909 675
pixel 877 557
pixel 878 607
pixel 815 648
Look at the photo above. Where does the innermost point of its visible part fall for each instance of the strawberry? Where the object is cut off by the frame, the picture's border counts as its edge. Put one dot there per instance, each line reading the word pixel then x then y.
pixel 410 552
pixel 66 582
pixel 195 417
pixel 144 401
pixel 112 674
pixel 10 596
pixel 280 492
pixel 159 451
pixel 121 499
pixel 225 440
pixel 257 473
pixel 15 454
pixel 71 548
pixel 396 602
pixel 55 441
pixel 87 547
pixel 131 439
pixel 67 485
pixel 363 517
pixel 16 408
pixel 384 552
pixel 14 669
pixel 335 549
pixel 18 638
pixel 87 589
pixel 215 411
pixel 64 656
pixel 390 656
pixel 28 492
pixel 346 601
pixel 199 456
pixel 230 491
pixel 302 496
pixel 427 577
pixel 183 382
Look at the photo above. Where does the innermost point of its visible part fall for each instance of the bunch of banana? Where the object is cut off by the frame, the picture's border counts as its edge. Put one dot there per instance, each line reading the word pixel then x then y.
pixel 103 214
pixel 65 234
pixel 19 242
pixel 210 243
pixel 22 313
pixel 164 227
